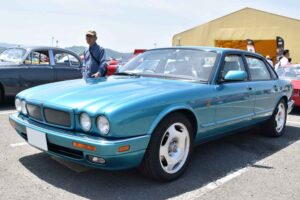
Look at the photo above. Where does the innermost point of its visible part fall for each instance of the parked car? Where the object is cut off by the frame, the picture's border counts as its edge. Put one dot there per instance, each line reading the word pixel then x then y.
pixel 152 113
pixel 25 67
pixel 112 66
pixel 292 73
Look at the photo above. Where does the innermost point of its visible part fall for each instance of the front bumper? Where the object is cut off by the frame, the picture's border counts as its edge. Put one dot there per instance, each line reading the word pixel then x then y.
pixel 291 104
pixel 60 145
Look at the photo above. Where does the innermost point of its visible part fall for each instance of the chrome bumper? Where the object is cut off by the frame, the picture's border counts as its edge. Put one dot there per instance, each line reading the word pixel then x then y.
pixel 291 104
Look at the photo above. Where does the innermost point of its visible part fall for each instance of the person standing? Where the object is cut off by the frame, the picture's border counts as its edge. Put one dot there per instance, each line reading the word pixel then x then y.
pixel 285 59
pixel 268 58
pixel 94 58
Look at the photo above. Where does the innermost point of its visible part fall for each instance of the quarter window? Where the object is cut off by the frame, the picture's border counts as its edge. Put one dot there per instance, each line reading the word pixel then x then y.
pixel 65 59
pixel 258 69
pixel 232 63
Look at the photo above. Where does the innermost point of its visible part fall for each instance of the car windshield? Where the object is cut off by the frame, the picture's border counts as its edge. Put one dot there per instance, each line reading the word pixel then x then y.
pixel 14 55
pixel 173 63
pixel 289 72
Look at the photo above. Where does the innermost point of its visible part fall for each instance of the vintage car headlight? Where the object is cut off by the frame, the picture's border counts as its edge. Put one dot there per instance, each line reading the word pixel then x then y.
pixel 18 105
pixel 103 125
pixel 85 122
pixel 23 107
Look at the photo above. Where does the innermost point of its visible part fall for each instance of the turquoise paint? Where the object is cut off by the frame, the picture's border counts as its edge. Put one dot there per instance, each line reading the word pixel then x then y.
pixel 135 105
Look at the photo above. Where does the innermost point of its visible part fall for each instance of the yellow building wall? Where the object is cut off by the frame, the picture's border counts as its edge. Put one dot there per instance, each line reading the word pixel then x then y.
pixel 245 24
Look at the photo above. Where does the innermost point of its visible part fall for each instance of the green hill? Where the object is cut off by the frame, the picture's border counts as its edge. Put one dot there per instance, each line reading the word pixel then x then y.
pixel 79 50
pixel 109 52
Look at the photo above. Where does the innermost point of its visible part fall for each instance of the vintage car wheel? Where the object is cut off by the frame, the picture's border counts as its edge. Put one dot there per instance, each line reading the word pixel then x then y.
pixel 275 127
pixel 1 95
pixel 170 149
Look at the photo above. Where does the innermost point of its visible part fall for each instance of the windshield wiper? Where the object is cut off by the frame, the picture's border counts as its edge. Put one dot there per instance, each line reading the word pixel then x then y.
pixel 127 74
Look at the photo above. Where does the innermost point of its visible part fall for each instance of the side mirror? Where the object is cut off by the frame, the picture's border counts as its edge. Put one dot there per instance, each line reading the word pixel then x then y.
pixel 235 75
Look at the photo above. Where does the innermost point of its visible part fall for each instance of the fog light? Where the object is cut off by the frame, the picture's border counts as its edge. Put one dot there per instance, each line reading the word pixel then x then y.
pixel 96 159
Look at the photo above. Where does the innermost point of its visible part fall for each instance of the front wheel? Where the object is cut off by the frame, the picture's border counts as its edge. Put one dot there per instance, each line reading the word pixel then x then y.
pixel 170 149
pixel 1 96
pixel 275 127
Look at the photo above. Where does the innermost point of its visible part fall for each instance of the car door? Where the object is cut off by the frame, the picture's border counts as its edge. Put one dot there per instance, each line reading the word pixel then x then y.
pixel 234 100
pixel 264 86
pixel 37 69
pixel 66 65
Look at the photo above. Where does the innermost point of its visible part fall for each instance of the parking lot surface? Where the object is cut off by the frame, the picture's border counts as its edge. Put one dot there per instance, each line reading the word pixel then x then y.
pixel 246 165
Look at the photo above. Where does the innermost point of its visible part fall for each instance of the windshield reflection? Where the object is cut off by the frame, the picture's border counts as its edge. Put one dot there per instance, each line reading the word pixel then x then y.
pixel 173 63
pixel 14 55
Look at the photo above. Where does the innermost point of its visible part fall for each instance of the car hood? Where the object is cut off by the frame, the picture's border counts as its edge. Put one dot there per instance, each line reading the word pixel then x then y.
pixel 7 63
pixel 296 84
pixel 103 93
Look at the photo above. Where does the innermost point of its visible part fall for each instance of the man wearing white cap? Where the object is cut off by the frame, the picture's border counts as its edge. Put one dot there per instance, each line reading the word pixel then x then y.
pixel 94 57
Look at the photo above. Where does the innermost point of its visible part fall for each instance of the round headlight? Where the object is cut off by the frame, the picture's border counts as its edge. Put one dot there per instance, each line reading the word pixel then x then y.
pixel 103 125
pixel 23 107
pixel 85 122
pixel 18 105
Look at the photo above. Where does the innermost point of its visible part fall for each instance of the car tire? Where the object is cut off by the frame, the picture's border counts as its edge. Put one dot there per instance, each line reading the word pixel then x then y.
pixel 170 149
pixel 275 127
pixel 1 95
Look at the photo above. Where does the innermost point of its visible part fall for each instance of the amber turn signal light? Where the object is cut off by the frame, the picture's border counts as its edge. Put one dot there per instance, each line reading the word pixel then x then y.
pixel 84 146
pixel 124 148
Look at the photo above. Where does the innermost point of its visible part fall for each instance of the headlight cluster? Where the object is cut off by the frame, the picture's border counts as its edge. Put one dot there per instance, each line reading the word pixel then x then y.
pixel 21 106
pixel 102 123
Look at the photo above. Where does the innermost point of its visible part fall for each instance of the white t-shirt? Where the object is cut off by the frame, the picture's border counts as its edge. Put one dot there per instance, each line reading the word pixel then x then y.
pixel 284 61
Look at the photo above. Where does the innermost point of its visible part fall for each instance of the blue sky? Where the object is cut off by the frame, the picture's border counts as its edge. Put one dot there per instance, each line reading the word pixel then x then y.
pixel 121 25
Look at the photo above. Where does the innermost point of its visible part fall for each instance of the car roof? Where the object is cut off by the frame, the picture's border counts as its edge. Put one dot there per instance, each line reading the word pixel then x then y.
pixel 29 48
pixel 205 48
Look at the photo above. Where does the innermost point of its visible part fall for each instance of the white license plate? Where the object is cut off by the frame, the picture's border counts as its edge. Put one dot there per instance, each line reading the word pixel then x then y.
pixel 37 139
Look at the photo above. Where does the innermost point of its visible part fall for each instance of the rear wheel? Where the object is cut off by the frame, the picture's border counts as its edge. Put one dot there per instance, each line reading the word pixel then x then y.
pixel 275 127
pixel 1 95
pixel 170 149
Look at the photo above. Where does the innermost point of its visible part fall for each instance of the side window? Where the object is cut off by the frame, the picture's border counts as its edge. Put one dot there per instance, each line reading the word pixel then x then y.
pixel 38 58
pixel 258 69
pixel 232 62
pixel 65 59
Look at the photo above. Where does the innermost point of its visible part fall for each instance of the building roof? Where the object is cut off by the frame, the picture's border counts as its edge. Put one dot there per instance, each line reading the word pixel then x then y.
pixel 242 10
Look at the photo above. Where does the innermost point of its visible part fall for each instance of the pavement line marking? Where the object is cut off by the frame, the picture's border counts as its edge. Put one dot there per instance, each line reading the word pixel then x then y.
pixel 19 144
pixel 212 185
pixel 293 122
pixel 7 112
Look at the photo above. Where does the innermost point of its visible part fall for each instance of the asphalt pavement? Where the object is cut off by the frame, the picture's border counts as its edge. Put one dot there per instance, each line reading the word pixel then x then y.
pixel 244 166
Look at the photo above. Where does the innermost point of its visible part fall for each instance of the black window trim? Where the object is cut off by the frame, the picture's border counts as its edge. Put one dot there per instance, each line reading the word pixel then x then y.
pixel 222 66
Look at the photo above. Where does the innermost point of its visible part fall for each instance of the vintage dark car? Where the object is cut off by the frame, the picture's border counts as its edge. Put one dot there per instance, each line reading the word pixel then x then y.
pixel 25 67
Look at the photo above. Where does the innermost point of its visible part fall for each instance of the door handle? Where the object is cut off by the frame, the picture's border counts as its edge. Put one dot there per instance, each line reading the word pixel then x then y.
pixel 249 88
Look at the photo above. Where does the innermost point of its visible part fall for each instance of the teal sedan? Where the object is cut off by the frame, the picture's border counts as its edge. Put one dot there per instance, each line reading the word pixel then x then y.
pixel 155 109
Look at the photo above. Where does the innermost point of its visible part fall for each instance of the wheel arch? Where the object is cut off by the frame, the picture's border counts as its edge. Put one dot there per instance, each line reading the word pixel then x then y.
pixel 2 92
pixel 285 98
pixel 183 109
